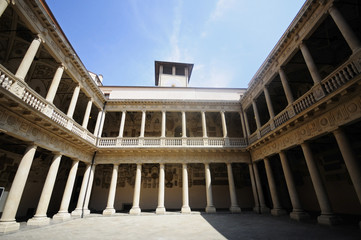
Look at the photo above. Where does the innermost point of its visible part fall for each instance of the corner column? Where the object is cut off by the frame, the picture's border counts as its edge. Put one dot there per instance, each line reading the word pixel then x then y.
pixel 55 84
pixel 255 110
pixel 63 213
pixel 263 207
pixel 138 178
pixel 297 213
pixel 73 101
pixel 160 208
pixel 210 207
pixel 7 221
pixel 277 209
pixel 327 217
pixel 109 210
pixel 40 217
pixel 185 207
pixel 87 114
pixel 232 190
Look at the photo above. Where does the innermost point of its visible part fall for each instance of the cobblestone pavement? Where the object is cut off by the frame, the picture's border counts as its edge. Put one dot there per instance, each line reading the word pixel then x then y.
pixel 246 225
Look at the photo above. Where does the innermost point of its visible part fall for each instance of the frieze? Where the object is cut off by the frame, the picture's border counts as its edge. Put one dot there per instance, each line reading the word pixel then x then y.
pixel 27 131
pixel 327 122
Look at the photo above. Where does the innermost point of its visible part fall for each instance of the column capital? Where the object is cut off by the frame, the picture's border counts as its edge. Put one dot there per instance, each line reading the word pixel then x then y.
pixel 40 38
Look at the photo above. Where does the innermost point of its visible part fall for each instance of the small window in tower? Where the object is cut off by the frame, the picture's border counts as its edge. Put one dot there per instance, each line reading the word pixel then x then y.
pixel 180 71
pixel 167 70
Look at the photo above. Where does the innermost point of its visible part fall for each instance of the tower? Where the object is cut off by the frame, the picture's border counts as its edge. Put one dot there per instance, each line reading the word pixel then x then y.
pixel 172 74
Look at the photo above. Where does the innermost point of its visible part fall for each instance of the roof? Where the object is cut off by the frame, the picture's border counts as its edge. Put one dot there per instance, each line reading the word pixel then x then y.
pixel 176 64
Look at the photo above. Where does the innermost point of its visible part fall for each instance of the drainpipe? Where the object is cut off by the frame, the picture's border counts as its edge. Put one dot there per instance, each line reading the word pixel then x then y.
pixel 92 164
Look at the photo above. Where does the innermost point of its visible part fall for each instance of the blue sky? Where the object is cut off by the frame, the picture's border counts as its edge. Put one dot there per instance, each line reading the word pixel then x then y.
pixel 226 40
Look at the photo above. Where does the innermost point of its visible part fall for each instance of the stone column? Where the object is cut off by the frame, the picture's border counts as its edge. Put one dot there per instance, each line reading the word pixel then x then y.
pixel 256 115
pixel 345 29
pixel 136 209
pixel 254 189
pixel 297 212
pixel 122 123
pixel 327 217
pixel 277 208
pixel 224 124
pixel 40 217
pixel 73 102
pixel 3 5
pixel 87 114
pixel 185 207
pixel 232 190
pixel 184 125
pixel 163 123
pixel 96 129
pixel 63 213
pixel 160 208
pixel 310 63
pixel 86 210
pixel 101 125
pixel 243 124
pixel 351 162
pixel 109 210
pixel 263 207
pixel 286 86
pixel 28 59
pixel 210 207
pixel 268 102
pixel 142 127
pixel 79 206
pixel 204 124
pixel 247 125
pixel 55 84
pixel 7 221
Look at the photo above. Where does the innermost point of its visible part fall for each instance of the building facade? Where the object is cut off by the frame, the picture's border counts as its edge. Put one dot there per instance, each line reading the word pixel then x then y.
pixel 288 144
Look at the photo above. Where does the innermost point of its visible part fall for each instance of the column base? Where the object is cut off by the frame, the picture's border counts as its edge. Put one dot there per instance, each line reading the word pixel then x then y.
pixel 160 210
pixel 278 212
pixel 299 215
pixel 264 209
pixel 329 219
pixel 257 209
pixel 186 209
pixel 78 212
pixel 235 209
pixel 62 216
pixel 38 221
pixel 210 209
pixel 108 211
pixel 135 211
pixel 9 226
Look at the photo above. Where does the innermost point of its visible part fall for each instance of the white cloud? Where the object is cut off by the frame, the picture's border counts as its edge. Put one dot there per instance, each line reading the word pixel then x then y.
pixel 221 9
pixel 176 28
pixel 212 75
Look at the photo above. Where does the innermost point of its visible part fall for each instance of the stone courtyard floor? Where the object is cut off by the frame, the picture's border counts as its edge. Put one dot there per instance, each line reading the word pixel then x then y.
pixel 246 225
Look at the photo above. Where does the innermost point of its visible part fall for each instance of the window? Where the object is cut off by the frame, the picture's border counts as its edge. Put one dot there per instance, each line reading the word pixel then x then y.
pixel 167 70
pixel 180 71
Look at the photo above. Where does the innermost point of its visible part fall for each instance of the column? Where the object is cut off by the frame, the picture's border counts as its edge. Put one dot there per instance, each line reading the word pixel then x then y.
pixel 163 123
pixel 185 207
pixel 263 207
pixel 243 124
pixel 28 59
pixel 63 213
pixel 184 125
pixel 224 125
pixel 142 127
pixel 247 125
pixel 327 217
pixel 136 209
pixel 297 212
pixel 87 113
pixel 7 221
pixel 86 210
pixel 268 102
pixel 96 129
pixel 210 207
pixel 204 124
pixel 122 123
pixel 40 217
pixel 256 115
pixel 277 208
pixel 73 101
pixel 232 190
pixel 254 189
pixel 345 29
pixel 79 206
pixel 3 5
pixel 160 208
pixel 286 86
pixel 351 162
pixel 101 125
pixel 310 63
pixel 55 84
pixel 109 210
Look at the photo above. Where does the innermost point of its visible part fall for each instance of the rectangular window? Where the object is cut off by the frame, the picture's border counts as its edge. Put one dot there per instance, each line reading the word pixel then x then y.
pixel 167 70
pixel 180 71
